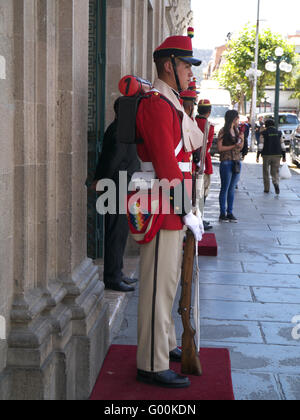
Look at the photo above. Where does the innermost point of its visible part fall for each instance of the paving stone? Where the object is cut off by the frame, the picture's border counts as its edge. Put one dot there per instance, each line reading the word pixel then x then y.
pixel 255 387
pixel 250 247
pixel 295 259
pixel 254 256
pixel 261 358
pixel 282 295
pixel 219 265
pixel 294 227
pixel 289 238
pixel 242 225
pixel 290 386
pixel 271 218
pixel 128 330
pixel 256 235
pixel 251 279
pixel 231 331
pixel 222 292
pixel 271 268
pixel 280 312
pixel 279 333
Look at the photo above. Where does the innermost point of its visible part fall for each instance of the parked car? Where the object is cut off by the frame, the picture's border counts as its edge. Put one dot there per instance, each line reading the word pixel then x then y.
pixel 288 123
pixel 221 102
pixel 295 146
pixel 217 119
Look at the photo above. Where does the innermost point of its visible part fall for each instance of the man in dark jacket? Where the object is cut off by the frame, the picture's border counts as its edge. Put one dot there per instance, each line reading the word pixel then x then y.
pixel 272 149
pixel 116 157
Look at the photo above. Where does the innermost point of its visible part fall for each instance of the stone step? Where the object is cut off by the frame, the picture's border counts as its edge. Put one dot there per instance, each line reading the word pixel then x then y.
pixel 118 301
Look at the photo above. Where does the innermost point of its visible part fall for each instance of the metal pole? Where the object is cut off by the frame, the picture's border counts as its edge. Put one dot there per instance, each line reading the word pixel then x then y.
pixel 277 93
pixel 254 92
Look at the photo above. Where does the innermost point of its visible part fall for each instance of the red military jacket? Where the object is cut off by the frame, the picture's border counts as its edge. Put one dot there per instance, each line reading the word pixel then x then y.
pixel 159 126
pixel 208 163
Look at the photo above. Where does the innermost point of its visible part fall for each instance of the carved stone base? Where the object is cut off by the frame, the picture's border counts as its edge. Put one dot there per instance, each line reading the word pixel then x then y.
pixel 59 339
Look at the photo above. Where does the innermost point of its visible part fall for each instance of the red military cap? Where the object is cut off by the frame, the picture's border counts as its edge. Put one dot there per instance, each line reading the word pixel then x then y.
pixel 188 95
pixel 204 102
pixel 193 85
pixel 177 46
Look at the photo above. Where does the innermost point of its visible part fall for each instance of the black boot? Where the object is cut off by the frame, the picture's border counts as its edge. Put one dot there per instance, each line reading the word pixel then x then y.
pixel 129 280
pixel 166 379
pixel 175 355
pixel 119 287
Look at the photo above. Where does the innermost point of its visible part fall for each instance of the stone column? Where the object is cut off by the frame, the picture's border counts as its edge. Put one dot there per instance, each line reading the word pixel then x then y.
pixel 58 334
pixel 7 114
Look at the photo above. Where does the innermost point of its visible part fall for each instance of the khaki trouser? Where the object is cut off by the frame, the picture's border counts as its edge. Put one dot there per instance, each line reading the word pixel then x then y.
pixel 207 184
pixel 274 163
pixel 160 269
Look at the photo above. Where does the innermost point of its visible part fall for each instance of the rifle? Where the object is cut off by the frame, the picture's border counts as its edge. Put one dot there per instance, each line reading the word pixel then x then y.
pixel 190 362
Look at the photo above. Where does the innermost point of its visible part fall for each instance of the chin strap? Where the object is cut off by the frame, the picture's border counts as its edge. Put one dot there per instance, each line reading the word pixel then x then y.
pixel 175 73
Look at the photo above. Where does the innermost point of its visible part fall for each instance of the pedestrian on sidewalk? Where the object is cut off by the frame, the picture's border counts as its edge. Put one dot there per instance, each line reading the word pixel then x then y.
pixel 259 127
pixel 230 145
pixel 272 148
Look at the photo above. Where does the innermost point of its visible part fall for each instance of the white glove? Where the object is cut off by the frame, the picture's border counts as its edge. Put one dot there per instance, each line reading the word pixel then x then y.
pixel 201 225
pixel 192 222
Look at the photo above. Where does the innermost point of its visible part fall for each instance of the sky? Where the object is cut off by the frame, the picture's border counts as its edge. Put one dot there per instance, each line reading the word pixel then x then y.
pixel 214 19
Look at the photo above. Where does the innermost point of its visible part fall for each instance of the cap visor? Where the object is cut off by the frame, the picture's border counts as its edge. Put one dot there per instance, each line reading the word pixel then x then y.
pixel 191 60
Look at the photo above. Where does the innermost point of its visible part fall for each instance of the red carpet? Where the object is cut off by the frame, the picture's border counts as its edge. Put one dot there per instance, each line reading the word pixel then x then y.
pixel 117 380
pixel 208 246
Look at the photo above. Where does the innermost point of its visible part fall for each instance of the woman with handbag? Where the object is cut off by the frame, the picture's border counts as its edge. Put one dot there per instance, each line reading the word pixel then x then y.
pixel 230 145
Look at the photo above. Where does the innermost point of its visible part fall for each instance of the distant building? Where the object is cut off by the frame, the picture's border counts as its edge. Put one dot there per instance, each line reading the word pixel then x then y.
pixel 216 62
pixel 295 40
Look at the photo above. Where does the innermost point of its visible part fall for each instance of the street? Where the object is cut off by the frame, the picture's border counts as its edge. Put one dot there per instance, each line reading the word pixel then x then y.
pixel 250 293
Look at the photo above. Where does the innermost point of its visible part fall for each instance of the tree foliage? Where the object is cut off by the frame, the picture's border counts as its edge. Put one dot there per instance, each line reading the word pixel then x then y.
pixel 239 57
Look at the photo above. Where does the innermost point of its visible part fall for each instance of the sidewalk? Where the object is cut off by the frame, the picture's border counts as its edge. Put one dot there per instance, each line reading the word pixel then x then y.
pixel 251 291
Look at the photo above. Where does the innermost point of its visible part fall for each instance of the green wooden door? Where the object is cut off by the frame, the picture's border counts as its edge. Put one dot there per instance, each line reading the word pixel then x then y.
pixel 96 121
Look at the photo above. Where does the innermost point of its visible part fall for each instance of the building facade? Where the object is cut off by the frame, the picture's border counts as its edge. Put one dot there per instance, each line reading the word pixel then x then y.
pixel 60 63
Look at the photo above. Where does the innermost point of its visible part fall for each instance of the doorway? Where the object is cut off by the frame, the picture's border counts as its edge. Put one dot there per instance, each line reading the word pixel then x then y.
pixel 96 119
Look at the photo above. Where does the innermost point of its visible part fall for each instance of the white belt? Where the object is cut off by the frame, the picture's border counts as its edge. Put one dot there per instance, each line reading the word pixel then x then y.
pixel 179 148
pixel 183 166
pixel 143 180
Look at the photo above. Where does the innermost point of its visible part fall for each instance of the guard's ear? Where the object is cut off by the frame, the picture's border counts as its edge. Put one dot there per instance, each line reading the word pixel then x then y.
pixel 168 67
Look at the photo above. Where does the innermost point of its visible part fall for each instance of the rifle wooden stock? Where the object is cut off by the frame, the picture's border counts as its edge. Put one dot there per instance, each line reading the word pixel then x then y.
pixel 190 363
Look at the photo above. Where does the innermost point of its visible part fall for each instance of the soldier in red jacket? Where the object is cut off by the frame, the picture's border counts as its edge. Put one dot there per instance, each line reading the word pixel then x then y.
pixel 204 111
pixel 189 98
pixel 168 138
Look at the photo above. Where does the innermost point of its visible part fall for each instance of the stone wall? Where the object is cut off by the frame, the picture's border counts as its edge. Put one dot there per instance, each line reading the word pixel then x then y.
pixel 142 26
pixel 6 173
pixel 51 295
